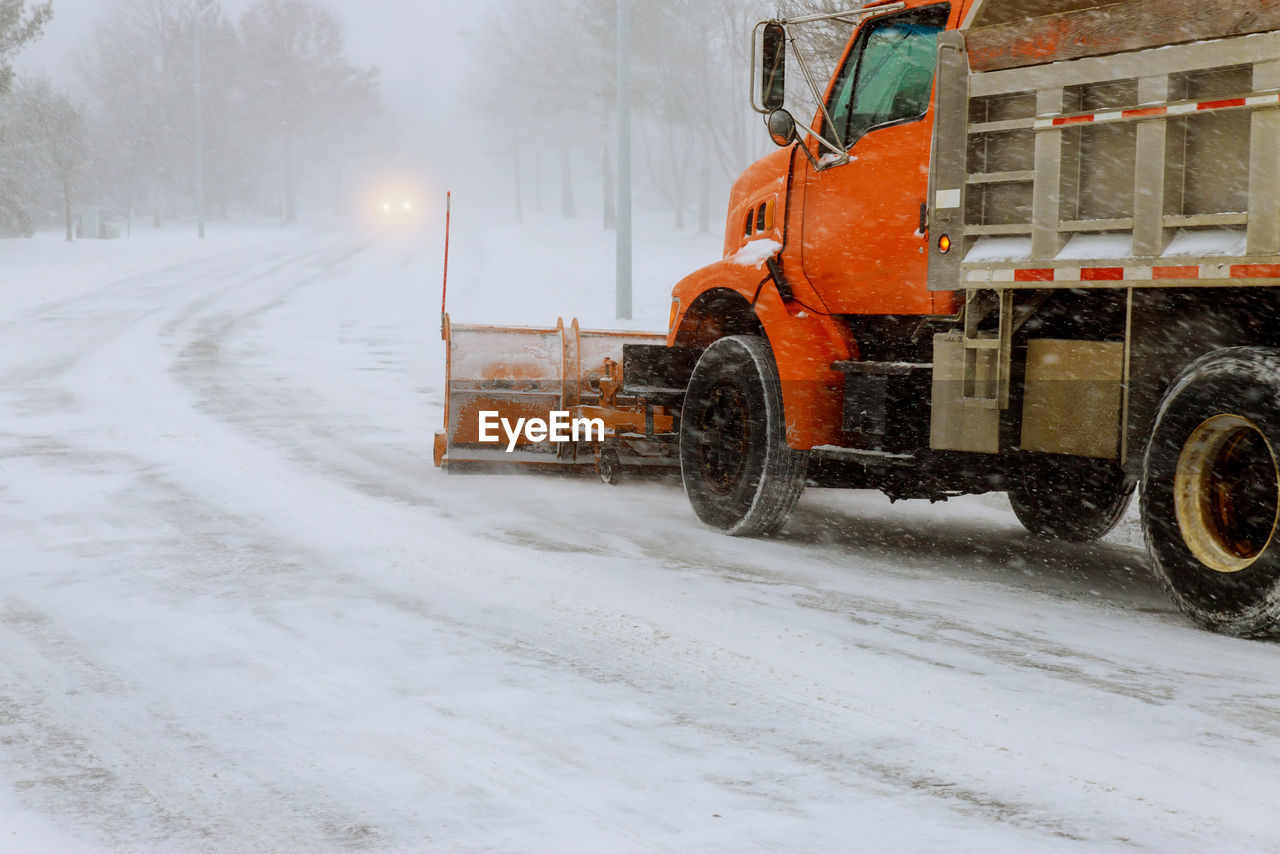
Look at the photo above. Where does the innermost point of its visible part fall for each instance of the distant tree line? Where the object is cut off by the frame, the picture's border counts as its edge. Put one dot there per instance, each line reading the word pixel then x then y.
pixel 545 83
pixel 279 104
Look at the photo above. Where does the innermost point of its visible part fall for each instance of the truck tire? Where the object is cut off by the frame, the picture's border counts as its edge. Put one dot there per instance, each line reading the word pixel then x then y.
pixel 738 471
pixel 1211 491
pixel 1070 498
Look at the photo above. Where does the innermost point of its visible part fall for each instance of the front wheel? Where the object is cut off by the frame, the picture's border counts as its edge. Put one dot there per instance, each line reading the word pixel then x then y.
pixel 738 471
pixel 1211 491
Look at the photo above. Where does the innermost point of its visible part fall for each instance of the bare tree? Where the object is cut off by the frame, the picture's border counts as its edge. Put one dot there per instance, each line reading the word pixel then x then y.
pixel 304 84
pixel 695 130
pixel 57 126
pixel 139 71
pixel 43 153
pixel 279 101
pixel 546 73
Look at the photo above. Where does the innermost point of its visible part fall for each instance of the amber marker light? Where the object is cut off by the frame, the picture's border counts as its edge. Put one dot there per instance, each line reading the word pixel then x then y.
pixel 675 310
pixel 944 244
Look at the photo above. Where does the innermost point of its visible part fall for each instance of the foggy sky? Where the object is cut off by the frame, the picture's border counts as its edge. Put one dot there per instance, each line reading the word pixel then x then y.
pixel 413 42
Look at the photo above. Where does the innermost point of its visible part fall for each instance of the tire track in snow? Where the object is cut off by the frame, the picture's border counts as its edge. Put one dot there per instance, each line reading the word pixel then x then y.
pixel 206 351
pixel 832 682
pixel 91 780
pixel 928 633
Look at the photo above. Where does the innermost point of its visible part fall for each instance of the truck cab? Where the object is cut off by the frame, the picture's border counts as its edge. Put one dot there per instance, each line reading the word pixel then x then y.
pixel 835 226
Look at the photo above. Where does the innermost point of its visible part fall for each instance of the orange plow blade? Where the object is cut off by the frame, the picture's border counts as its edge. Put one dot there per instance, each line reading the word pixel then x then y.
pixel 502 381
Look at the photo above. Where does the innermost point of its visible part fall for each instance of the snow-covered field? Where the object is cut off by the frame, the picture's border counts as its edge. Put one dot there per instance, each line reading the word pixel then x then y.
pixel 240 611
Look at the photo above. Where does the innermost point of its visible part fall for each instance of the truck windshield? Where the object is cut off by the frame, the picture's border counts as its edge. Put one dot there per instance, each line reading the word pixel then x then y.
pixel 888 76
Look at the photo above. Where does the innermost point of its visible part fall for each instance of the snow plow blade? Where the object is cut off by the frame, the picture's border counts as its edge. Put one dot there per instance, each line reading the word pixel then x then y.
pixel 516 372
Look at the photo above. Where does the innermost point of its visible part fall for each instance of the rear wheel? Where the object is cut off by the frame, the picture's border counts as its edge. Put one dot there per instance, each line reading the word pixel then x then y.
pixel 1070 498
pixel 1211 491
pixel 738 471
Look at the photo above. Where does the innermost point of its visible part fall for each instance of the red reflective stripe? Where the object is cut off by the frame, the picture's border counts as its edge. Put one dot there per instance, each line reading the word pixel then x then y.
pixel 1144 112
pixel 1218 105
pixel 1102 274
pixel 1255 271
pixel 1072 120
pixel 1175 272
pixel 1033 275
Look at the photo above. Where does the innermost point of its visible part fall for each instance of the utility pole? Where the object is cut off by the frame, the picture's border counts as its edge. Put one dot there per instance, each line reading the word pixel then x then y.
pixel 515 139
pixel 199 124
pixel 623 297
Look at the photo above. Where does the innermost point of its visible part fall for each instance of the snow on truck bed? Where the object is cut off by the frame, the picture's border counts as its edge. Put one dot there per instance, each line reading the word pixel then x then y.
pixel 241 610
pixel 1186 243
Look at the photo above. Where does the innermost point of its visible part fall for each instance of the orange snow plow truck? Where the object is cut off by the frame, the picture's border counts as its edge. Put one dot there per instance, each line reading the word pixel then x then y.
pixel 1029 246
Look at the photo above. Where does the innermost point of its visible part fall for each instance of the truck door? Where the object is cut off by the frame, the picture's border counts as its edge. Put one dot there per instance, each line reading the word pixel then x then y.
pixel 862 244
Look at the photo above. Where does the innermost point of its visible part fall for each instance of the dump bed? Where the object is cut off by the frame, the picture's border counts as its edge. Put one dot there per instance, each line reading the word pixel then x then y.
pixel 1132 143
pixel 1017 33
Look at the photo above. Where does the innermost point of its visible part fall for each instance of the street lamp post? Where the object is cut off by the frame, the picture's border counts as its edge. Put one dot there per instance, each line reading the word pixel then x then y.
pixel 199 15
pixel 623 294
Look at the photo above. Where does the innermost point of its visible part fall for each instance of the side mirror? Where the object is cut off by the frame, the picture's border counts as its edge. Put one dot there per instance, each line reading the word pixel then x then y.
pixel 773 78
pixel 782 128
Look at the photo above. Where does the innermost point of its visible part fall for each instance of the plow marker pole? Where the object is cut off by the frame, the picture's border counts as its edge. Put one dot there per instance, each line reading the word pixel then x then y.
pixel 444 287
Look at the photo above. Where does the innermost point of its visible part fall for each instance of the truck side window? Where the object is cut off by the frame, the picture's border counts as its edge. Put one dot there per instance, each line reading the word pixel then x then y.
pixel 888 76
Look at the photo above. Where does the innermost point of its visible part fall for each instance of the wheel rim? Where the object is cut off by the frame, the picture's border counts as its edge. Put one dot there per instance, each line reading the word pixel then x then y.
pixel 1227 493
pixel 722 444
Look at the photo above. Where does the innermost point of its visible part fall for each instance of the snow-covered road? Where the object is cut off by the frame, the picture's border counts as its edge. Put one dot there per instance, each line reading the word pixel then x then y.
pixel 241 612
